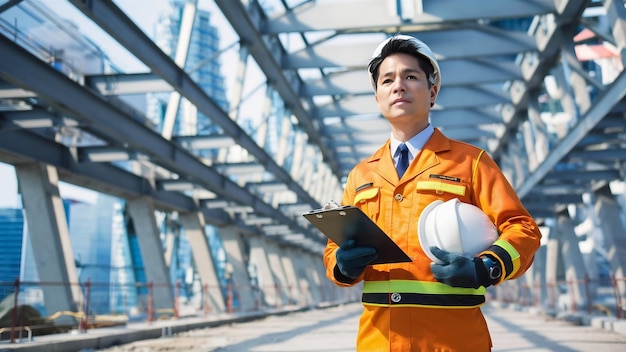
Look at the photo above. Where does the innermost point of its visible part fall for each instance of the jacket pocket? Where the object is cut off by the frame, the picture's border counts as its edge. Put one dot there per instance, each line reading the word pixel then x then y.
pixel 431 190
pixel 440 187
pixel 368 200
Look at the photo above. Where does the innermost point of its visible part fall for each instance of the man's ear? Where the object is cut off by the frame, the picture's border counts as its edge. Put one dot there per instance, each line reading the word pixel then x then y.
pixel 433 94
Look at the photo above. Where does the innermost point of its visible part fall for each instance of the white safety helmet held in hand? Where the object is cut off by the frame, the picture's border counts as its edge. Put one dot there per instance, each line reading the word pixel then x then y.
pixel 420 49
pixel 456 227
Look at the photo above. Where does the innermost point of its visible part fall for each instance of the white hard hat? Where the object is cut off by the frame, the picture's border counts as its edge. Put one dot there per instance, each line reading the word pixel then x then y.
pixel 456 227
pixel 420 48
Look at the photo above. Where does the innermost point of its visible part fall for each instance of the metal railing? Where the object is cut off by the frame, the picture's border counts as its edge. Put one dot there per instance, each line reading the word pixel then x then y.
pixel 142 308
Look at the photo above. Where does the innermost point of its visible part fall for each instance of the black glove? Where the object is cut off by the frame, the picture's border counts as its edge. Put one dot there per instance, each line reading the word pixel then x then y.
pixel 458 270
pixel 352 260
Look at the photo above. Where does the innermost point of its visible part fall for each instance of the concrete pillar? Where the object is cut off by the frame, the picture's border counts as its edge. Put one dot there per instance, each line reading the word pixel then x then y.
pixel 287 260
pixel 297 162
pixel 308 297
pixel 266 116
pixel 148 234
pixel 552 270
pixel 513 290
pixel 193 224
pixel 526 288
pixel 329 292
pixel 50 238
pixel 315 272
pixel 286 130
pixel 234 247
pixel 308 168
pixel 540 131
pixel 608 215
pixel 537 277
pixel 589 247
pixel 171 245
pixel 267 286
pixel 276 265
pixel 575 273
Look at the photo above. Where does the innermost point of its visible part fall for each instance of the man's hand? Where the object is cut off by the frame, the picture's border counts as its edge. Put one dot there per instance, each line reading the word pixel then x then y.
pixel 458 270
pixel 352 260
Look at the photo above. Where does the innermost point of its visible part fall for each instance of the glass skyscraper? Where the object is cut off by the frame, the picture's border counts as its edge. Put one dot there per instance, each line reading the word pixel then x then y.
pixel 202 65
pixel 11 230
pixel 91 231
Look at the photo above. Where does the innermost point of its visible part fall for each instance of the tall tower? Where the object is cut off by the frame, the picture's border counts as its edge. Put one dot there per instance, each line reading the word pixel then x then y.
pixel 11 229
pixel 202 65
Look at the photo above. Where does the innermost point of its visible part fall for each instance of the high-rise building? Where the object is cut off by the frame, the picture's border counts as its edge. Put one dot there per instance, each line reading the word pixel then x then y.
pixel 202 65
pixel 91 228
pixel 123 290
pixel 11 229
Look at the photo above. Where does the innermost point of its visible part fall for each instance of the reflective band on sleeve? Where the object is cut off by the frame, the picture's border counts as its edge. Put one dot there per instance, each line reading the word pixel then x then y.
pixel 441 187
pixel 513 255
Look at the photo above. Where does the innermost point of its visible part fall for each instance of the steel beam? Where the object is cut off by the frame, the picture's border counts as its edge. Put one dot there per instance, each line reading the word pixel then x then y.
pixel 109 122
pixel 600 108
pixel 373 14
pixel 115 22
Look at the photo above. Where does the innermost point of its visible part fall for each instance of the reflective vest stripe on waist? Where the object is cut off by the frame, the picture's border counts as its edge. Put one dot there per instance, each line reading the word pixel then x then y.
pixel 420 293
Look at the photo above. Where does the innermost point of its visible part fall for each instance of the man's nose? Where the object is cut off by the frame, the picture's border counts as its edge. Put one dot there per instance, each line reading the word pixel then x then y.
pixel 398 85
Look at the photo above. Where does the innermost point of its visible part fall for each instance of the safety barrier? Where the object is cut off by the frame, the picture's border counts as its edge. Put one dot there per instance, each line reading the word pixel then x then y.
pixel 137 303
pixel 605 297
pixel 20 328
pixel 593 296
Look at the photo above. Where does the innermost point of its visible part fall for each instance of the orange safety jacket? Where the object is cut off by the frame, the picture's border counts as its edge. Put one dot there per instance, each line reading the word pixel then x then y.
pixel 405 308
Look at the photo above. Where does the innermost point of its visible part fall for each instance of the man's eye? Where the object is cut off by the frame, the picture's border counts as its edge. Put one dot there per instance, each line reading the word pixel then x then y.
pixel 385 81
pixel 411 77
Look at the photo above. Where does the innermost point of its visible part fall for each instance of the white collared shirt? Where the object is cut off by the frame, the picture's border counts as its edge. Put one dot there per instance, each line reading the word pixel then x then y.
pixel 415 144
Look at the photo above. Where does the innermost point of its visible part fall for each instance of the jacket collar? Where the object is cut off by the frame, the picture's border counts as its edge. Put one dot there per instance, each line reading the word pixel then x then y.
pixel 426 159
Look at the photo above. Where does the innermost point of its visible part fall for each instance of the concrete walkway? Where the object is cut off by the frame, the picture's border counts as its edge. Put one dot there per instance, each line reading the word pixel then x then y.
pixel 513 329
pixel 330 329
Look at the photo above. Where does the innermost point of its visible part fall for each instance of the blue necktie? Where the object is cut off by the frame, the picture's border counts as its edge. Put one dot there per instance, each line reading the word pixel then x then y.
pixel 403 161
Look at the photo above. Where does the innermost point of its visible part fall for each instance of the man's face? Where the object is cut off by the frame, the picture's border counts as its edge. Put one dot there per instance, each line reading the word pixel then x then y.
pixel 402 93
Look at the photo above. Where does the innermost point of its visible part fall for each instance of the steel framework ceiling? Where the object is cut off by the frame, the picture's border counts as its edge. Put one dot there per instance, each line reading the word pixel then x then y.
pixel 538 84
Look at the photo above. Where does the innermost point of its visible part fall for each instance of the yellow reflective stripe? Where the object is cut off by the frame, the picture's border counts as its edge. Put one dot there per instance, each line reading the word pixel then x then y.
pixel 365 195
pixel 513 253
pixel 419 305
pixel 441 187
pixel 412 286
pixel 476 165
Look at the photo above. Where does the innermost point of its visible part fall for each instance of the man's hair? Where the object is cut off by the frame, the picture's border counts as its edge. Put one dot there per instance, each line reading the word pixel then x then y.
pixel 401 46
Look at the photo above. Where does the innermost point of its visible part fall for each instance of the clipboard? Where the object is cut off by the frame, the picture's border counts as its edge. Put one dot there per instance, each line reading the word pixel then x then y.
pixel 342 223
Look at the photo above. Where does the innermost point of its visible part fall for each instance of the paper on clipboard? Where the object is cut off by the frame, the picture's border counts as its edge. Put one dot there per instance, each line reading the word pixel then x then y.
pixel 342 223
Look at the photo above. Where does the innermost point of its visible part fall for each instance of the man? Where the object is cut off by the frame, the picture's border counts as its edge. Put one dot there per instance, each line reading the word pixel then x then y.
pixel 423 306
